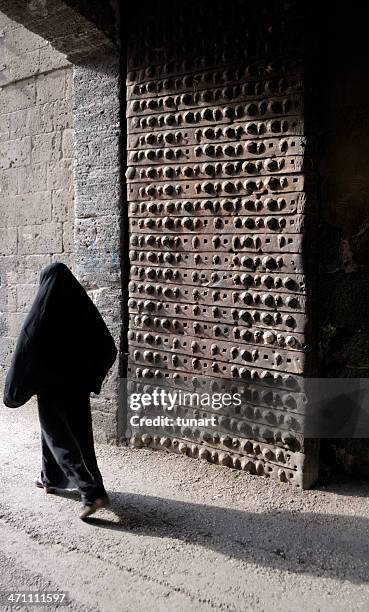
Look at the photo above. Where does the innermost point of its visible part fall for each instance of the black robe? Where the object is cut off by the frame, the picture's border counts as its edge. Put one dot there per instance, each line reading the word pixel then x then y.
pixel 64 352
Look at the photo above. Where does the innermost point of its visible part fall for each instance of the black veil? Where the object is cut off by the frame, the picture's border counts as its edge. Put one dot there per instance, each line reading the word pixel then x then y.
pixel 64 342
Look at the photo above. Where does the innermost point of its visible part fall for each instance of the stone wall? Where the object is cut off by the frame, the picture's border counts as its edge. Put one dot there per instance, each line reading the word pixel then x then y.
pixel 65 25
pixel 100 250
pixel 36 171
pixel 91 230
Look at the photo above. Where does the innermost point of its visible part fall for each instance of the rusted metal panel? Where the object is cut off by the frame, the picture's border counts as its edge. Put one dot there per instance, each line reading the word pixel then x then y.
pixel 283 127
pixel 287 204
pixel 222 242
pixel 209 152
pixel 294 283
pixel 218 296
pixel 262 77
pixel 290 339
pixel 219 213
pixel 236 225
pixel 220 351
pixel 237 316
pixel 293 262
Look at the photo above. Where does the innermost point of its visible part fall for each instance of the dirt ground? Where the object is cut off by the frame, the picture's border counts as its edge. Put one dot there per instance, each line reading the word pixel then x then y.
pixel 181 535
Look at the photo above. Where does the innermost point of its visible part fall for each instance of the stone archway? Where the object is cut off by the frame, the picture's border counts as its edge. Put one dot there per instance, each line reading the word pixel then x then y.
pixel 89 38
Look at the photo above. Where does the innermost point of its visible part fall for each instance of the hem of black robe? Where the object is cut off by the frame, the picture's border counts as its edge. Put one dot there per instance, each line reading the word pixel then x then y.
pixel 63 485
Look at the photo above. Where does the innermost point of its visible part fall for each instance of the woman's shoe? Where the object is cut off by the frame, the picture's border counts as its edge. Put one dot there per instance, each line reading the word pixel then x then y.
pixel 40 485
pixel 97 504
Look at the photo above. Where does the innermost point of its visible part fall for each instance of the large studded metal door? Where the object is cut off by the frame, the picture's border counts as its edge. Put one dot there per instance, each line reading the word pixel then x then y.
pixel 217 211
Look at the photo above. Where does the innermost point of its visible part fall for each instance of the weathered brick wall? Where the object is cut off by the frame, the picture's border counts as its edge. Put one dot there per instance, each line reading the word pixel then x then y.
pixel 99 235
pixel 90 45
pixel 36 163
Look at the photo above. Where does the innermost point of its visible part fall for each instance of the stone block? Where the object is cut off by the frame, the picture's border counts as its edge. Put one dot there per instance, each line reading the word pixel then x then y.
pixel 101 195
pixel 35 209
pixel 35 13
pixel 51 18
pixel 22 40
pixel 38 239
pixel 32 178
pixel 4 76
pixel 97 116
pixel 8 298
pixel 68 237
pixel 27 269
pixel 15 153
pixel 79 45
pixel 51 59
pixel 22 65
pixel 94 80
pixel 107 299
pixel 59 174
pixel 7 264
pixel 95 270
pixel 97 149
pixel 7 346
pixel 46 147
pixel 98 236
pixel 50 87
pixel 68 143
pixel 4 128
pixel 6 24
pixel 66 258
pixel 99 71
pixel 112 381
pixel 62 205
pixel 8 241
pixel 3 324
pixel 104 423
pixel 25 294
pixel 24 122
pixel 88 176
pixel 26 209
pixel 69 88
pixel 109 393
pixel 54 115
pixel 17 98
pixel 8 183
pixel 14 322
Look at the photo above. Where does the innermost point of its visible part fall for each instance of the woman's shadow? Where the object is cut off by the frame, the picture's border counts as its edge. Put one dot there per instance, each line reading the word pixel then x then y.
pixel 312 543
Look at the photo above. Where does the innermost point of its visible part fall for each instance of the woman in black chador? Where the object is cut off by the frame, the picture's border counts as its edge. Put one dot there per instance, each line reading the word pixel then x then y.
pixel 63 353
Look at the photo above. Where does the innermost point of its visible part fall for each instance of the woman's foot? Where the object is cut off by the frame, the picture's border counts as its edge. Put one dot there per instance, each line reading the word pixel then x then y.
pixel 40 485
pixel 97 504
